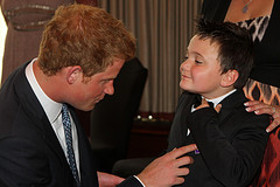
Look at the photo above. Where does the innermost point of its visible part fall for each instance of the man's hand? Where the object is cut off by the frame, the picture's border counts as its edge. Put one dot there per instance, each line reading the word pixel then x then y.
pixel 108 180
pixel 166 170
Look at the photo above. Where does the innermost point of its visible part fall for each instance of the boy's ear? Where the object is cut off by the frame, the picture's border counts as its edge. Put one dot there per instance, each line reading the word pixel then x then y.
pixel 229 78
pixel 73 74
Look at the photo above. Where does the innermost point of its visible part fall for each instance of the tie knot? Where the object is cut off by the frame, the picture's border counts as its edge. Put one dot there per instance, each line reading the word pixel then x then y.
pixel 64 111
pixel 64 108
pixel 198 100
pixel 211 105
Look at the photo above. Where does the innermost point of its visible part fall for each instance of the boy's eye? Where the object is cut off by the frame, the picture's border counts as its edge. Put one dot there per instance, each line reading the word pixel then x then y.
pixel 185 58
pixel 198 62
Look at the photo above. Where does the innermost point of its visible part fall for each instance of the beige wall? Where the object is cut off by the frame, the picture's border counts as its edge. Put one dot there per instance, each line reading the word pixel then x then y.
pixel 3 30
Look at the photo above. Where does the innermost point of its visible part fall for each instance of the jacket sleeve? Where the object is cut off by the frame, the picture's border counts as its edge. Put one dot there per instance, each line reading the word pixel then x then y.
pixel 130 182
pixel 21 164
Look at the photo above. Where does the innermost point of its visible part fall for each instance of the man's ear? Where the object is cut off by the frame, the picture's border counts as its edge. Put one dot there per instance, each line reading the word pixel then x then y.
pixel 73 74
pixel 229 78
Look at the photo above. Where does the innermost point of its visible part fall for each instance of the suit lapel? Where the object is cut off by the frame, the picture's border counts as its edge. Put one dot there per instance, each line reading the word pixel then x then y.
pixel 230 104
pixel 88 172
pixel 179 134
pixel 36 113
pixel 188 101
pixel 80 137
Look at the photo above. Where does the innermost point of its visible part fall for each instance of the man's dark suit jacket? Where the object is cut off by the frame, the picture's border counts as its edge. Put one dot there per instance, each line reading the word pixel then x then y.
pixel 30 153
pixel 231 142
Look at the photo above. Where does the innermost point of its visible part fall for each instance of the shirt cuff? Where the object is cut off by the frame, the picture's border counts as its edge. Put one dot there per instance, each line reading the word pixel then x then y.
pixel 139 180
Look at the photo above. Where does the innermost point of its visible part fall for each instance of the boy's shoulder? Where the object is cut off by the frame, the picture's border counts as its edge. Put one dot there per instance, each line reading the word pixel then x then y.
pixel 234 106
pixel 234 100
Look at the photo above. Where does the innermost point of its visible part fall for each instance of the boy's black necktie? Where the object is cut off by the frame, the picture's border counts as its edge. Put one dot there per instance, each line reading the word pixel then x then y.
pixel 198 99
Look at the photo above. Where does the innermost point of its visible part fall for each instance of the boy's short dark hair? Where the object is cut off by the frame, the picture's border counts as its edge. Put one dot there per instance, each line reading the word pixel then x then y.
pixel 235 47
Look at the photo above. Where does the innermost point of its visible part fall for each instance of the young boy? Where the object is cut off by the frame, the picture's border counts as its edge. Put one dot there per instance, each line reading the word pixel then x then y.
pixel 230 141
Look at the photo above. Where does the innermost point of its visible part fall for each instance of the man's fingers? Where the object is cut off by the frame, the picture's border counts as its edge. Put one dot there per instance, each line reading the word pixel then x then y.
pixel 186 160
pixel 183 171
pixel 182 150
pixel 179 180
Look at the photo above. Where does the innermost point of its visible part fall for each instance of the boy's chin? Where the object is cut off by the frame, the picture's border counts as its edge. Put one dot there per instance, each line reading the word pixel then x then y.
pixel 185 88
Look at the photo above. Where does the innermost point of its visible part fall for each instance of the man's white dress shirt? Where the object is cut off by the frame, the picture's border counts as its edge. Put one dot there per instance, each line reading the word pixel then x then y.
pixel 53 112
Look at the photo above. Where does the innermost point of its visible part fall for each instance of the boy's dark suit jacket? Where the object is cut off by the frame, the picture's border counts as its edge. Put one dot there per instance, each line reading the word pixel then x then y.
pixel 231 143
pixel 31 154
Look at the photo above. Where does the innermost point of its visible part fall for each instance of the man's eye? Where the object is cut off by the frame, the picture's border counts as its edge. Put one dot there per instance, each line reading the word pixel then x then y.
pixel 198 62
pixel 104 81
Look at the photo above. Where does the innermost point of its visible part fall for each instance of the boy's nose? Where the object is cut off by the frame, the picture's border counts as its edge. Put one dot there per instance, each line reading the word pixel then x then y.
pixel 185 65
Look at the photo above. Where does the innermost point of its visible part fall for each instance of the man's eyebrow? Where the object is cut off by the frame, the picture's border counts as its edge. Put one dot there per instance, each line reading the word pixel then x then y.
pixel 109 78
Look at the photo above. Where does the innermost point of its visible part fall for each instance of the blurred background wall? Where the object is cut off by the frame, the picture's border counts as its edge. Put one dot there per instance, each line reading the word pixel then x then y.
pixel 163 29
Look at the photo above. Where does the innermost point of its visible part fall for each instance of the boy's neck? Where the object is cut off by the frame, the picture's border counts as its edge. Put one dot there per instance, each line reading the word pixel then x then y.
pixel 218 93
pixel 217 100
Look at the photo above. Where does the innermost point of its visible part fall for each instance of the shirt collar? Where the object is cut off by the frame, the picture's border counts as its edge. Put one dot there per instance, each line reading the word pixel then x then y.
pixel 217 100
pixel 51 108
